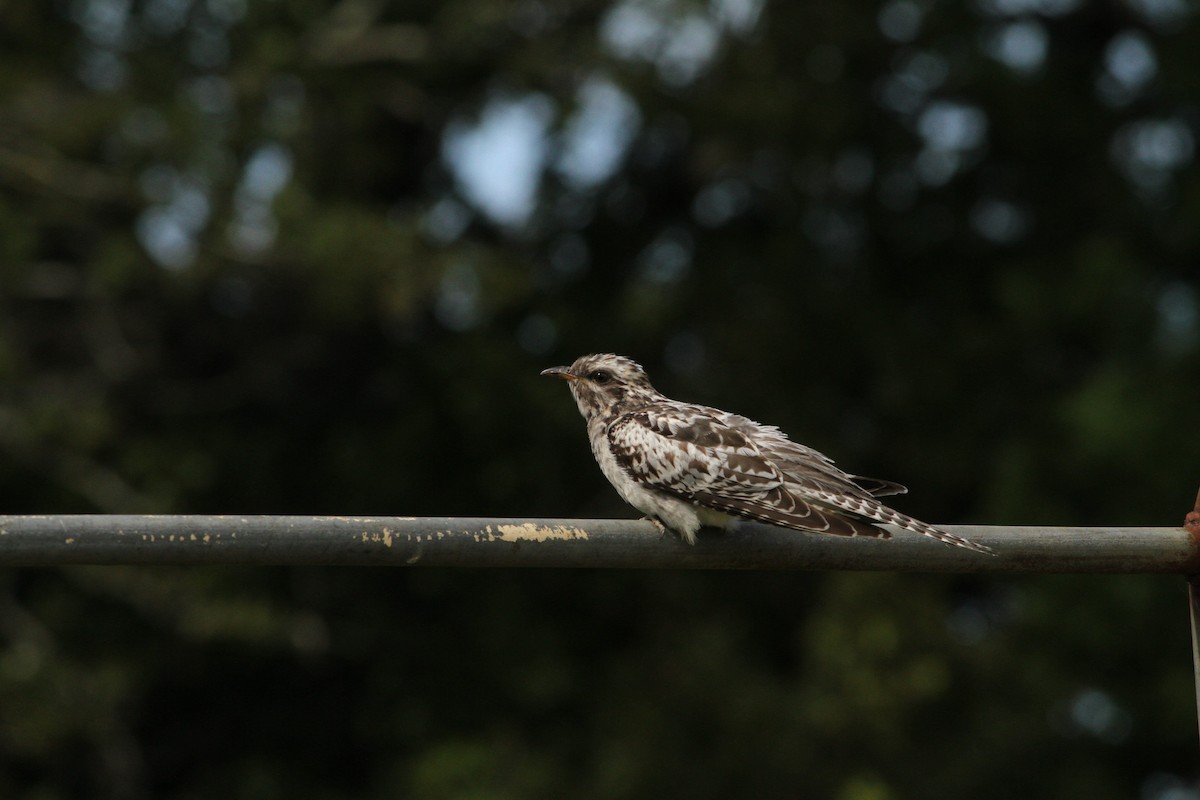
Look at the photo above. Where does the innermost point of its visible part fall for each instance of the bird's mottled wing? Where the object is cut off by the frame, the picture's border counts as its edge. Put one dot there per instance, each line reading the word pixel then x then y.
pixel 811 475
pixel 690 452
pixel 805 468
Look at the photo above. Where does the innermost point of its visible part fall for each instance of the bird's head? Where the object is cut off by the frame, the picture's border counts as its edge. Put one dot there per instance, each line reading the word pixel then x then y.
pixel 606 384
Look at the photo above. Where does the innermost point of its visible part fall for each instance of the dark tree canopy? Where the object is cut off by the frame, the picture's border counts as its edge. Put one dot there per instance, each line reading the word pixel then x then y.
pixel 309 257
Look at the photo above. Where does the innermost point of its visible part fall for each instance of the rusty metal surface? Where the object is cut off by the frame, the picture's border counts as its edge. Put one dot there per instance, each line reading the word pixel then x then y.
pixel 1191 524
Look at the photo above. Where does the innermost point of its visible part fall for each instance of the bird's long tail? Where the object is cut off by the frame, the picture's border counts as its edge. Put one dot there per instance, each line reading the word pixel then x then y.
pixel 873 509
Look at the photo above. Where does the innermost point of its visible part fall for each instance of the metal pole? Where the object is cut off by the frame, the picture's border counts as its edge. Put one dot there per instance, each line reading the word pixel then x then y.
pixel 1194 603
pixel 611 543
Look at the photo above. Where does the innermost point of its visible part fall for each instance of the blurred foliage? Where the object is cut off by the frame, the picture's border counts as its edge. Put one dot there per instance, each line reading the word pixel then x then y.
pixel 309 257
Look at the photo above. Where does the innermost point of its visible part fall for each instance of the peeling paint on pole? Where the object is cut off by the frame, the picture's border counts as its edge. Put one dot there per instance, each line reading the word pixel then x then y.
pixel 529 532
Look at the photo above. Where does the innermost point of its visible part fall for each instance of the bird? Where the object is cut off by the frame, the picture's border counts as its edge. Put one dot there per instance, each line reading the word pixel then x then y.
pixel 686 466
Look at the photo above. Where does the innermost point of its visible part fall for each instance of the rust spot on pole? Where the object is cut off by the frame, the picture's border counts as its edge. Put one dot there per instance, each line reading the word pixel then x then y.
pixel 1191 522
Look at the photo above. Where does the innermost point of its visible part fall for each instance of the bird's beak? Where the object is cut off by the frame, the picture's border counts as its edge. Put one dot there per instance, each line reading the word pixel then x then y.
pixel 561 372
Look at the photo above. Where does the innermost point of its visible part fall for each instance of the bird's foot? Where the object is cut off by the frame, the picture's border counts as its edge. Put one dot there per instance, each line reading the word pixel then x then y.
pixel 663 530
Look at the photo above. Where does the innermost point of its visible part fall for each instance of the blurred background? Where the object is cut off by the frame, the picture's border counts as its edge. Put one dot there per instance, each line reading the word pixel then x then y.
pixel 309 257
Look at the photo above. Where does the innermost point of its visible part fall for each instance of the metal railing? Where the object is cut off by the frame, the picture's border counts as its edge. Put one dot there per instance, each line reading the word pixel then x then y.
pixel 475 542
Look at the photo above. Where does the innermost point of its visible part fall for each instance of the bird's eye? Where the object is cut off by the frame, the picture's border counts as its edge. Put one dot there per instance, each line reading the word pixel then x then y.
pixel 601 376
